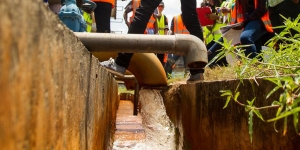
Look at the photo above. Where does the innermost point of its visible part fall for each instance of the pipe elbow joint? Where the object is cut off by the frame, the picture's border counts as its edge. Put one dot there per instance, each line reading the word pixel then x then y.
pixel 194 49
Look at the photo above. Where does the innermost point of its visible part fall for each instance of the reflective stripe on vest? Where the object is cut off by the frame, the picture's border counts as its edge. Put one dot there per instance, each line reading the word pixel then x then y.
pixel 237 16
pixel 150 24
pixel 161 25
pixel 135 5
pixel 179 27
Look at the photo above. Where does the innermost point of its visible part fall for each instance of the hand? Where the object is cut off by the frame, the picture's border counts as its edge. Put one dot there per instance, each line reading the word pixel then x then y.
pixel 225 10
pixel 238 26
pixel 212 16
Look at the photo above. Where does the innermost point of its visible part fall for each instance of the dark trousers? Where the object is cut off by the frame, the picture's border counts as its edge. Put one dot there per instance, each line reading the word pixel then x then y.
pixel 288 9
pixel 161 58
pixel 102 16
pixel 172 59
pixel 221 62
pixel 142 16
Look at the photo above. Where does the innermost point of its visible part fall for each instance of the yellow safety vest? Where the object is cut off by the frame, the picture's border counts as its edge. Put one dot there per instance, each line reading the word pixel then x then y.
pixel 161 25
pixel 215 33
pixel 89 21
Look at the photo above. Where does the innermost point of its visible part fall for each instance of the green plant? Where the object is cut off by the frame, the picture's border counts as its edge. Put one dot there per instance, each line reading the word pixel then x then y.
pixel 279 64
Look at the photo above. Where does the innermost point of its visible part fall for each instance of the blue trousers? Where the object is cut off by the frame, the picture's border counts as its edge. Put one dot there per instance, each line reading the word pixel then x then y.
pixel 251 35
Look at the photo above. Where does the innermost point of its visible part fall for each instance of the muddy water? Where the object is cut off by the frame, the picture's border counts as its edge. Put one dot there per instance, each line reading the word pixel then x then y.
pixel 129 133
pixel 150 130
pixel 159 129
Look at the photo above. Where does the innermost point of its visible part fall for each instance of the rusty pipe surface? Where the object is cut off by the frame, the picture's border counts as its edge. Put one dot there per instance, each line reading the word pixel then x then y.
pixel 181 44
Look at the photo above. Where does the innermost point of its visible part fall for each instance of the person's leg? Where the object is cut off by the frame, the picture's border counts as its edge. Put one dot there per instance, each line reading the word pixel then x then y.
pixel 169 64
pixel 161 58
pixel 275 18
pixel 190 18
pixel 138 26
pixel 251 33
pixel 102 16
pixel 191 21
pixel 210 44
pixel 214 49
pixel 288 9
pixel 171 61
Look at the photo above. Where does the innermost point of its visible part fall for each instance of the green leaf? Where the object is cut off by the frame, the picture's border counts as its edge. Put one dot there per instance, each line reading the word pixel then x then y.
pixel 297 79
pixel 287 79
pixel 295 120
pixel 285 126
pixel 275 103
pixel 245 68
pixel 285 114
pixel 250 103
pixel 275 81
pixel 236 96
pixel 275 126
pixel 226 92
pixel 227 101
pixel 250 123
pixel 272 91
pixel 258 114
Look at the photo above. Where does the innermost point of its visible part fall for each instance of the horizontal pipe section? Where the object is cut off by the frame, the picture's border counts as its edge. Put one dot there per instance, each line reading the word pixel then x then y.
pixel 181 44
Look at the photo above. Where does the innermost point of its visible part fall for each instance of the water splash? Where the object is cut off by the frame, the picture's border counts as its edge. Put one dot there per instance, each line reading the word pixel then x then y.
pixel 158 127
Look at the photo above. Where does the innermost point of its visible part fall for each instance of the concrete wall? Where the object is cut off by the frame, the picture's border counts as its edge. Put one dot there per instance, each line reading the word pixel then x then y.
pixel 53 93
pixel 202 123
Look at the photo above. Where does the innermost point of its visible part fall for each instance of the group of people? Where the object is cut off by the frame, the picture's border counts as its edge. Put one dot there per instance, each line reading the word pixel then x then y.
pixel 256 19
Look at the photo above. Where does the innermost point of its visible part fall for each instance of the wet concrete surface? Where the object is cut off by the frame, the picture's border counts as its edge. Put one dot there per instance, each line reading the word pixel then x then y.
pixel 129 133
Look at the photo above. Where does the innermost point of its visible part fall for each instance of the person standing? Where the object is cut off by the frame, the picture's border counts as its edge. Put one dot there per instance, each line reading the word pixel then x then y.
pixel 102 14
pixel 161 20
pixel 162 27
pixel 131 7
pixel 138 25
pixel 252 17
pixel 212 33
pixel 177 27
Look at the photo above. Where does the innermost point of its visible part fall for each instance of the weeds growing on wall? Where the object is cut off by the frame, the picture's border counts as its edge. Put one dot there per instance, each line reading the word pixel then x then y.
pixel 279 64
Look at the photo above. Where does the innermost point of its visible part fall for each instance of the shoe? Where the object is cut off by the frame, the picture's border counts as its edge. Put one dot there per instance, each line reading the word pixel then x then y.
pixel 199 77
pixel 114 68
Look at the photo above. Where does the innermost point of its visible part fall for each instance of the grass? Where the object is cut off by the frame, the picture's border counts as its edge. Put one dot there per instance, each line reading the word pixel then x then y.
pixel 216 73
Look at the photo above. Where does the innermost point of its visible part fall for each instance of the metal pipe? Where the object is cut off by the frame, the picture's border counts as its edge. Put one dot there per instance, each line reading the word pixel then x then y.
pixel 180 44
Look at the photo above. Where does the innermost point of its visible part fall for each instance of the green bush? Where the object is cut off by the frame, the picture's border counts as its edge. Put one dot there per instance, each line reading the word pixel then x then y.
pixel 279 64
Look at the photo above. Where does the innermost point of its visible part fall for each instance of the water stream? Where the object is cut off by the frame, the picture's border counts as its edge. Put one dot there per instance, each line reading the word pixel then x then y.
pixel 159 132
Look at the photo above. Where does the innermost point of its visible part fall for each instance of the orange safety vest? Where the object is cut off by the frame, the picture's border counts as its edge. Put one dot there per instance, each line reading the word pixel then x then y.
pixel 179 27
pixel 113 2
pixel 135 5
pixel 237 16
pixel 150 24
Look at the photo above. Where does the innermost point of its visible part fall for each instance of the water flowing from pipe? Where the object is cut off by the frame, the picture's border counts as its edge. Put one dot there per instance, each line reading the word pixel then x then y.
pixel 159 129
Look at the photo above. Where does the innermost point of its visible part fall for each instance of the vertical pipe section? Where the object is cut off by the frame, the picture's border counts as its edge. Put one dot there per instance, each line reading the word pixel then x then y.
pixel 181 44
